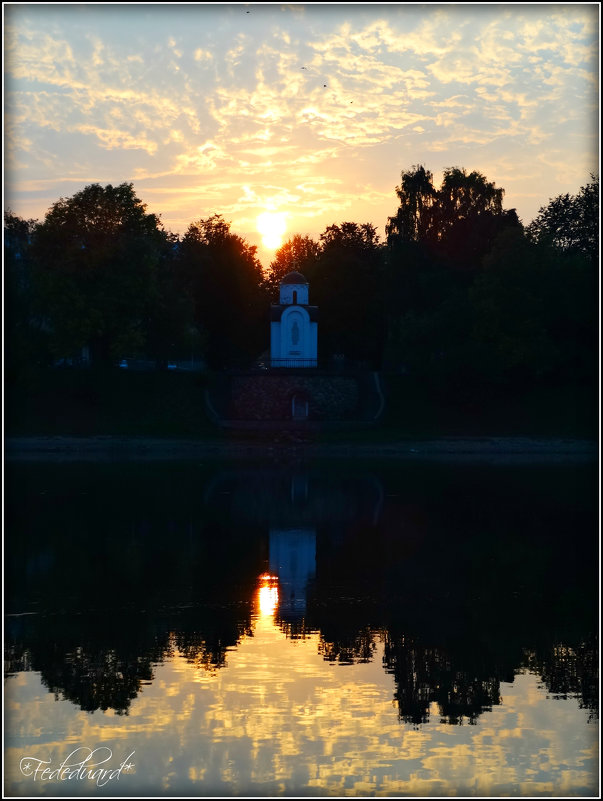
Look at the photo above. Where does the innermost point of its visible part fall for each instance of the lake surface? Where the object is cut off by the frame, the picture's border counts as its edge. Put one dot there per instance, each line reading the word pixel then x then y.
pixel 337 629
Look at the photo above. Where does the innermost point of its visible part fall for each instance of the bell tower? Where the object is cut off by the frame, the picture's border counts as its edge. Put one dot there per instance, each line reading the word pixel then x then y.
pixel 293 325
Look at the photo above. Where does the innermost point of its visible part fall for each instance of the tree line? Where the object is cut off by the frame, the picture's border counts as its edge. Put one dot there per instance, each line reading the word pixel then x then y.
pixel 460 294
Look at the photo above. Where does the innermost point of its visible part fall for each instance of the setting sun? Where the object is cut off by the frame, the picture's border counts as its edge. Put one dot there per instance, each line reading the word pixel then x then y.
pixel 271 225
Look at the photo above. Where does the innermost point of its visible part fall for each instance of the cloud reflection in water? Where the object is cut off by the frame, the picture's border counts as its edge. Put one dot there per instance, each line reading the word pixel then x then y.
pixel 279 719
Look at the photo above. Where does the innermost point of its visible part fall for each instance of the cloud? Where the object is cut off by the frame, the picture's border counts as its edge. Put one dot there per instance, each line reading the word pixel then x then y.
pixel 203 55
pixel 209 93
pixel 113 138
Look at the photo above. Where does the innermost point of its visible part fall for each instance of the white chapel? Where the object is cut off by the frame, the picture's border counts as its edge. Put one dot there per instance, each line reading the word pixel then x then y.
pixel 293 325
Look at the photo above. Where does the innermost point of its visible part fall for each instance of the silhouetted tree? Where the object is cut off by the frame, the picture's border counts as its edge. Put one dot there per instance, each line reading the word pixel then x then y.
pixel 171 329
pixel 298 253
pixel 346 285
pixel 464 195
pixel 96 257
pixel 456 223
pixel 223 276
pixel 570 222
pixel 535 311
pixel 414 219
pixel 437 243
pixel 25 339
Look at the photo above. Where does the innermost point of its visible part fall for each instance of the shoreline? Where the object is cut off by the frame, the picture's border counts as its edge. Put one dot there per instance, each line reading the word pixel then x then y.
pixel 478 449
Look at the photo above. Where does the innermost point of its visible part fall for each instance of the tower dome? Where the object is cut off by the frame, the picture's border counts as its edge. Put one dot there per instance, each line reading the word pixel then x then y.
pixel 294 278
pixel 294 289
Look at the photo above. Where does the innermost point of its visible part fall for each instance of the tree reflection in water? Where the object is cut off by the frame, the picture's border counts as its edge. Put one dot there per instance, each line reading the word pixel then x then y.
pixel 427 675
pixel 463 577
pixel 86 660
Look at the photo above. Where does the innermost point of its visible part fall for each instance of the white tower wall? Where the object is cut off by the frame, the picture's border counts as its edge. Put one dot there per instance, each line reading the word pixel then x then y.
pixel 296 294
pixel 293 337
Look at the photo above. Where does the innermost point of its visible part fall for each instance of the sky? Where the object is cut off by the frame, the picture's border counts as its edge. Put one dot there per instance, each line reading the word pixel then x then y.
pixel 308 113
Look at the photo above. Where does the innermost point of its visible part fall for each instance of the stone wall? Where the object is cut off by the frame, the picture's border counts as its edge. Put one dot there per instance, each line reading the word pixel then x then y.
pixel 269 397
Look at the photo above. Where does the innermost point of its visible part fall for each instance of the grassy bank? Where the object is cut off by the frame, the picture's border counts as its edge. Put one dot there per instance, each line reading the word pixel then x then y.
pixel 111 401
pixel 171 404
pixel 556 411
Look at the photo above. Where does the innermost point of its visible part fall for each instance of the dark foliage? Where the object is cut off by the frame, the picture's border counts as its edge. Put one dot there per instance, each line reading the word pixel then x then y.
pixel 223 277
pixel 461 296
pixel 570 223
pixel 96 260
pixel 474 303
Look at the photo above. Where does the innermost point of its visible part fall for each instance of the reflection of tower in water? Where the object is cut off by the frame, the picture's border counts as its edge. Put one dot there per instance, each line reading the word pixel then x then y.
pixel 304 514
pixel 292 555
pixel 293 560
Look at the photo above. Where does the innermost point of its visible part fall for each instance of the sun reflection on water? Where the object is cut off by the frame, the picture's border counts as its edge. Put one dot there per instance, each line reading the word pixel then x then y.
pixel 268 595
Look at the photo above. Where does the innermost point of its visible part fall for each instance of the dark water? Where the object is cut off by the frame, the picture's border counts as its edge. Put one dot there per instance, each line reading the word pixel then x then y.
pixel 340 629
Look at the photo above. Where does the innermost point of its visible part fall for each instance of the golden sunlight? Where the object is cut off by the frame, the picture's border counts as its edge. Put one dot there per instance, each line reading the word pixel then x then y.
pixel 268 595
pixel 271 225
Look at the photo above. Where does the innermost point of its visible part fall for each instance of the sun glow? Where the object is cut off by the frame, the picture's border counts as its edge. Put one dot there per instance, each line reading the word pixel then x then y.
pixel 271 225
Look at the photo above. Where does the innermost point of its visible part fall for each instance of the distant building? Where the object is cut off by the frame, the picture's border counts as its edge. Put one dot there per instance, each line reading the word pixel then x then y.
pixel 293 325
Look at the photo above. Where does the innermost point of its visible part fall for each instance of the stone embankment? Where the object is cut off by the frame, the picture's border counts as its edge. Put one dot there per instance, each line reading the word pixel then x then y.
pixel 269 397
